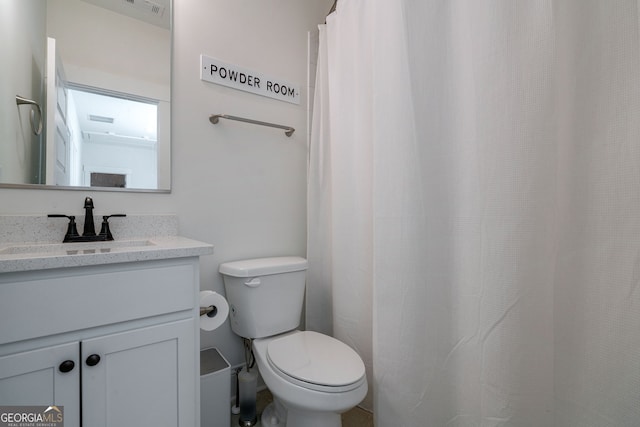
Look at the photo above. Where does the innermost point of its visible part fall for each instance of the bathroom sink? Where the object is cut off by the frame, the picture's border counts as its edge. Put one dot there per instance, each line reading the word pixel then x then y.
pixel 74 248
pixel 16 257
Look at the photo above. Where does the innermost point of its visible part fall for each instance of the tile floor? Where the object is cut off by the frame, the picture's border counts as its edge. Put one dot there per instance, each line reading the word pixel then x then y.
pixel 354 418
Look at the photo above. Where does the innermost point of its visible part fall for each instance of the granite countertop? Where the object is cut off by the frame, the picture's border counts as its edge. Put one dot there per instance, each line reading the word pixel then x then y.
pixel 31 242
pixel 26 257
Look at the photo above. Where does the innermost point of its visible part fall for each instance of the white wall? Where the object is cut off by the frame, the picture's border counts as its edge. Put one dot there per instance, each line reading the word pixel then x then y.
pixel 24 50
pixel 84 46
pixel 119 155
pixel 237 186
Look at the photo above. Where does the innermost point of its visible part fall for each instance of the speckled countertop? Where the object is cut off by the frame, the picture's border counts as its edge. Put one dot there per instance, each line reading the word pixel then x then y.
pixel 33 243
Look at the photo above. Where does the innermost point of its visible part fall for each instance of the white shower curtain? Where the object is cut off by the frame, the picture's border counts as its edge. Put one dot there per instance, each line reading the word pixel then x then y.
pixel 340 242
pixel 474 208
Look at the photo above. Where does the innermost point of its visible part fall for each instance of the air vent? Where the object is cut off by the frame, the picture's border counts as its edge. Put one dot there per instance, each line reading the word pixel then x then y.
pixel 147 6
pixel 155 8
pixel 153 12
pixel 101 119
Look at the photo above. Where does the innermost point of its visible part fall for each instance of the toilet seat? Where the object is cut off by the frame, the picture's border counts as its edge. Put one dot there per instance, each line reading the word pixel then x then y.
pixel 316 361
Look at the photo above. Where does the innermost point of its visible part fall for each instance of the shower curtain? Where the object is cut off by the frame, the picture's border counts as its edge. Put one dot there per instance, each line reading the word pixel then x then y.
pixel 474 208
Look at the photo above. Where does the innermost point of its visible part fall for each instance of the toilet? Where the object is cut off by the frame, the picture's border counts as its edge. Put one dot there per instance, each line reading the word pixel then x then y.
pixel 313 377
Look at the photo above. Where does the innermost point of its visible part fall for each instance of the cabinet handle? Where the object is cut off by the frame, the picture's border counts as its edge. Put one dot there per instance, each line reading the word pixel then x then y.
pixel 93 360
pixel 67 366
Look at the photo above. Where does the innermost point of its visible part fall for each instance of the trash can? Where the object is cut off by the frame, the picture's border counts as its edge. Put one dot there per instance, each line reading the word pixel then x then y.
pixel 215 389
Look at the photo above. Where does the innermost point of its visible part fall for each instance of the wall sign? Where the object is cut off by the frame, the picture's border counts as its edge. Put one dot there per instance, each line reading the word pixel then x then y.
pixel 215 71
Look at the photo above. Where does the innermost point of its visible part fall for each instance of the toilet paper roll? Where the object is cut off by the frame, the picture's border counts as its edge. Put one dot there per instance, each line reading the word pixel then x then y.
pixel 213 320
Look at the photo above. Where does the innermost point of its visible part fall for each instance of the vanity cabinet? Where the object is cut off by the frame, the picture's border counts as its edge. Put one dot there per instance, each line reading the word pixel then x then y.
pixel 139 378
pixel 36 376
pixel 115 345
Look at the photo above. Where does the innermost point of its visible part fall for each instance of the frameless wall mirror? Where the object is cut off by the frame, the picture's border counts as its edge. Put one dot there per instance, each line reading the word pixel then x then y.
pixel 85 94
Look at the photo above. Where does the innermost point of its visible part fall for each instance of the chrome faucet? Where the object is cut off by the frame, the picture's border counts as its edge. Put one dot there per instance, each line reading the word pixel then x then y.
pixel 89 231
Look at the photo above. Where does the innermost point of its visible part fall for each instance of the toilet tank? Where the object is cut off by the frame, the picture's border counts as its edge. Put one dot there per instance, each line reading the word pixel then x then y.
pixel 265 295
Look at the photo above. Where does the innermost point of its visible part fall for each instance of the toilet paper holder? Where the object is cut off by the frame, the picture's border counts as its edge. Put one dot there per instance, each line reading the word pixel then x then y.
pixel 214 310
pixel 210 311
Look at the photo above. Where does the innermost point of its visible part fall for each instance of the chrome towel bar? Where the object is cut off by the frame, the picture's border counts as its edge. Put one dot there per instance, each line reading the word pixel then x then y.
pixel 288 130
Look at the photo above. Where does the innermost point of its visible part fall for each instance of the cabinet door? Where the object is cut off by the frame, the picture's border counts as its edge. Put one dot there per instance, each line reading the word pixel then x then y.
pixel 143 377
pixel 46 376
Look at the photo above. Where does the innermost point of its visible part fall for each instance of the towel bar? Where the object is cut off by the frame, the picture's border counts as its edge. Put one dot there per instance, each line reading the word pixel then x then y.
pixel 288 130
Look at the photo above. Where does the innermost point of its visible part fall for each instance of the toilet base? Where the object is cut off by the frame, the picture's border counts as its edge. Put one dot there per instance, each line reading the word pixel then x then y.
pixel 297 418
pixel 276 415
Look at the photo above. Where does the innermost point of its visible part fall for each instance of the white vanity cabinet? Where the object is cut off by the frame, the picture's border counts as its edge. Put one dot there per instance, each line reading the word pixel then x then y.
pixel 115 344
pixel 36 376
pixel 140 377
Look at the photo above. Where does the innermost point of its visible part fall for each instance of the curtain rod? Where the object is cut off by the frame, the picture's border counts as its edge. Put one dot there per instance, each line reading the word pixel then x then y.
pixel 333 8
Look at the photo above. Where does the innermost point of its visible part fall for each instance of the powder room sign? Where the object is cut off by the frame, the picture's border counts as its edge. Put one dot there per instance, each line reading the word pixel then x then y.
pixel 225 74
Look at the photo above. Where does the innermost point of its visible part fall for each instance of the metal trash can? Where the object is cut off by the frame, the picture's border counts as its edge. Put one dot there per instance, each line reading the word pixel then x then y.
pixel 215 389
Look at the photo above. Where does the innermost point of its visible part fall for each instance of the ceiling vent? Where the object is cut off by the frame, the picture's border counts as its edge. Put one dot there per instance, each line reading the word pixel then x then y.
pixel 147 6
pixel 155 12
pixel 101 119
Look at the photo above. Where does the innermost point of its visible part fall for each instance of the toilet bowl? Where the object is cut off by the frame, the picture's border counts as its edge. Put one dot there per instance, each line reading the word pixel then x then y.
pixel 313 376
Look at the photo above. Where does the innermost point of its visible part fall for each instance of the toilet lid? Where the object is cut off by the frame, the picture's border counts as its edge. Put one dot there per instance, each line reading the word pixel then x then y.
pixel 316 358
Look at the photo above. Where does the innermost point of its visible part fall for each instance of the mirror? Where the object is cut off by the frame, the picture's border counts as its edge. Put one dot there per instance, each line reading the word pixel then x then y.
pixel 94 75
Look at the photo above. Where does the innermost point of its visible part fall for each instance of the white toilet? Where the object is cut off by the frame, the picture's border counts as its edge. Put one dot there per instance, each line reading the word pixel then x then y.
pixel 313 377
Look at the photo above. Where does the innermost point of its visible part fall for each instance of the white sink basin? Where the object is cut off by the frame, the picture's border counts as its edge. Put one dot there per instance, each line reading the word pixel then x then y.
pixel 74 248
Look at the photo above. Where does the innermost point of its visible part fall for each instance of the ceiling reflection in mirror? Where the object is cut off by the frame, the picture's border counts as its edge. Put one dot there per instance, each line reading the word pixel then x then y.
pixel 95 74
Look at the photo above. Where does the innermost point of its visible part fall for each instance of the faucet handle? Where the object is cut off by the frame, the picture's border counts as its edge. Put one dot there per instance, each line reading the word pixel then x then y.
pixel 72 230
pixel 105 232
